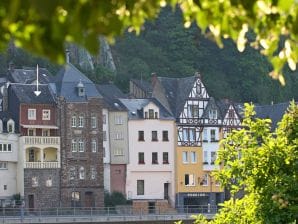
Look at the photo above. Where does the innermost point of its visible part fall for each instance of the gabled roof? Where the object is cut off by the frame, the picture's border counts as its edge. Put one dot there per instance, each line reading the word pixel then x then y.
pixel 176 91
pixel 27 75
pixel 67 80
pixel 224 105
pixel 111 95
pixel 275 112
pixel 25 93
pixel 136 106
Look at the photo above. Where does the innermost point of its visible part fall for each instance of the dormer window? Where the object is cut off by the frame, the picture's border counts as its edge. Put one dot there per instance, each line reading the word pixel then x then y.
pixel 212 114
pixel 1 126
pixel 151 114
pixel 81 89
pixel 10 126
pixel 156 115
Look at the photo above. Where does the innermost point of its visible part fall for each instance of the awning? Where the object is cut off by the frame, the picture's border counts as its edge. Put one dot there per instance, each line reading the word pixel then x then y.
pixel 39 126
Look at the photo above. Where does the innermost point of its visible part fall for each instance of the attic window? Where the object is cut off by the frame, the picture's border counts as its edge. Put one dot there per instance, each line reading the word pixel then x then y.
pixel 151 114
pixel 81 89
pixel 212 114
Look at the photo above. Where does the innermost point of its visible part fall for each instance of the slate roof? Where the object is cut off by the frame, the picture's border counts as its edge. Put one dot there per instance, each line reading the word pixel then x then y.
pixel 144 85
pixel 27 75
pixel 212 105
pixel 177 91
pixel 66 83
pixel 275 112
pixel 5 116
pixel 135 108
pixel 25 93
pixel 111 95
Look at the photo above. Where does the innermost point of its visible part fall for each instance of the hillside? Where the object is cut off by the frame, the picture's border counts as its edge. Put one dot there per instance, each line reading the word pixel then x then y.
pixel 166 48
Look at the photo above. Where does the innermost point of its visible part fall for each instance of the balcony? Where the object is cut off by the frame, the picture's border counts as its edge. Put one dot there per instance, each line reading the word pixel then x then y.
pixel 41 140
pixel 42 165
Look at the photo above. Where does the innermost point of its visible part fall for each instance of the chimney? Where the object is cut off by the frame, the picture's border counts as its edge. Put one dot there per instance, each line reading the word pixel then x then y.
pixel 5 97
pixel 198 75
pixel 11 66
pixel 153 79
pixel 67 53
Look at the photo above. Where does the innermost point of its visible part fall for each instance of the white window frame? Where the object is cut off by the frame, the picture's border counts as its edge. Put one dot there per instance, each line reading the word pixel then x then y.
pixel 82 173
pixel 93 122
pixel 73 121
pixel 74 145
pixel 191 180
pixel 34 181
pixel 72 173
pixel 205 179
pixel 46 132
pixel 49 182
pixel 205 157
pixel 94 145
pixel 193 157
pixel 46 115
pixel 81 121
pixel 185 159
pixel 118 119
pixel 118 152
pixel 31 114
pixel 3 165
pixel 119 136
pixel 212 114
pixel 81 146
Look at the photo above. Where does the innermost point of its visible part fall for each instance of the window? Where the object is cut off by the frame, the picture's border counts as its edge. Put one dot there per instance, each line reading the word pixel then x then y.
pixel 9 148
pixel 185 157
pixel 93 145
pixel 205 180
pixel 193 157
pixel 94 122
pixel 140 187
pixel 231 113
pixel 3 165
pixel 81 146
pixel 93 173
pixel 31 114
pixel 212 114
pixel 74 145
pixel 75 199
pixel 49 182
pixel 34 182
pixel 45 132
pixel 141 136
pixel 104 152
pixel 82 173
pixel 154 136
pixel 31 132
pixel 81 121
pixel 4 148
pixel 156 115
pixel 104 135
pixel 146 115
pixel 73 121
pixel 141 158
pixel 165 136
pixel 119 135
pixel 213 157
pixel 165 158
pixel 205 157
pixel 10 126
pixel 104 119
pixel 193 111
pixel 118 119
pixel 192 134
pixel 46 114
pixel 154 158
pixel 205 137
pixel 118 152
pixel 198 89
pixel 212 134
pixel 72 173
pixel 189 180
pixel 5 187
pixel 151 114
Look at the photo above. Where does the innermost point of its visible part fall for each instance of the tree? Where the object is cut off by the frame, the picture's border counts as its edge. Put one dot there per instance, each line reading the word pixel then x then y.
pixel 265 166
pixel 43 27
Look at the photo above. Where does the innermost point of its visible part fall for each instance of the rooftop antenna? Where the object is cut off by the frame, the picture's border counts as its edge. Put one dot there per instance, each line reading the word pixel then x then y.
pixel 37 92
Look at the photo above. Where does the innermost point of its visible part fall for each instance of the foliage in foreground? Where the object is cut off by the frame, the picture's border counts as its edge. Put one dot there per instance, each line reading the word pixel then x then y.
pixel 264 165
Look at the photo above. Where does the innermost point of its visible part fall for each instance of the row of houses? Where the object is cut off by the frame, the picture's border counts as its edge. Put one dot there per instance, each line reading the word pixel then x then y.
pixel 66 146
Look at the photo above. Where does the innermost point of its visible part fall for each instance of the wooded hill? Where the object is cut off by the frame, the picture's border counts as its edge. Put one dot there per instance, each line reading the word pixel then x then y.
pixel 166 48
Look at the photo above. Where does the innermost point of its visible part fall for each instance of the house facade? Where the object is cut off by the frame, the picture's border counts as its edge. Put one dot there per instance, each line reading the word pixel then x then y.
pixel 150 171
pixel 80 112
pixel 39 144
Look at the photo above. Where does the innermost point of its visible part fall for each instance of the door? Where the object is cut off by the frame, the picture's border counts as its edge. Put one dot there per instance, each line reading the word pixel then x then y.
pixel 89 200
pixel 31 155
pixel 166 191
pixel 31 201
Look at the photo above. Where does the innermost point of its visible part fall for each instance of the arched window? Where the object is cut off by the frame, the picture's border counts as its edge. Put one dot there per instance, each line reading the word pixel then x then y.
pixel 82 173
pixel 10 126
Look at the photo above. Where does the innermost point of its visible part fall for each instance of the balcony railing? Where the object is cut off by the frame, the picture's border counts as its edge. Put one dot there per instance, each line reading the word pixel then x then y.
pixel 41 140
pixel 42 165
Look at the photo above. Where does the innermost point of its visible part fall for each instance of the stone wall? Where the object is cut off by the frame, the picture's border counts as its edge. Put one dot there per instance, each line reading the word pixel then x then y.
pixel 44 196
